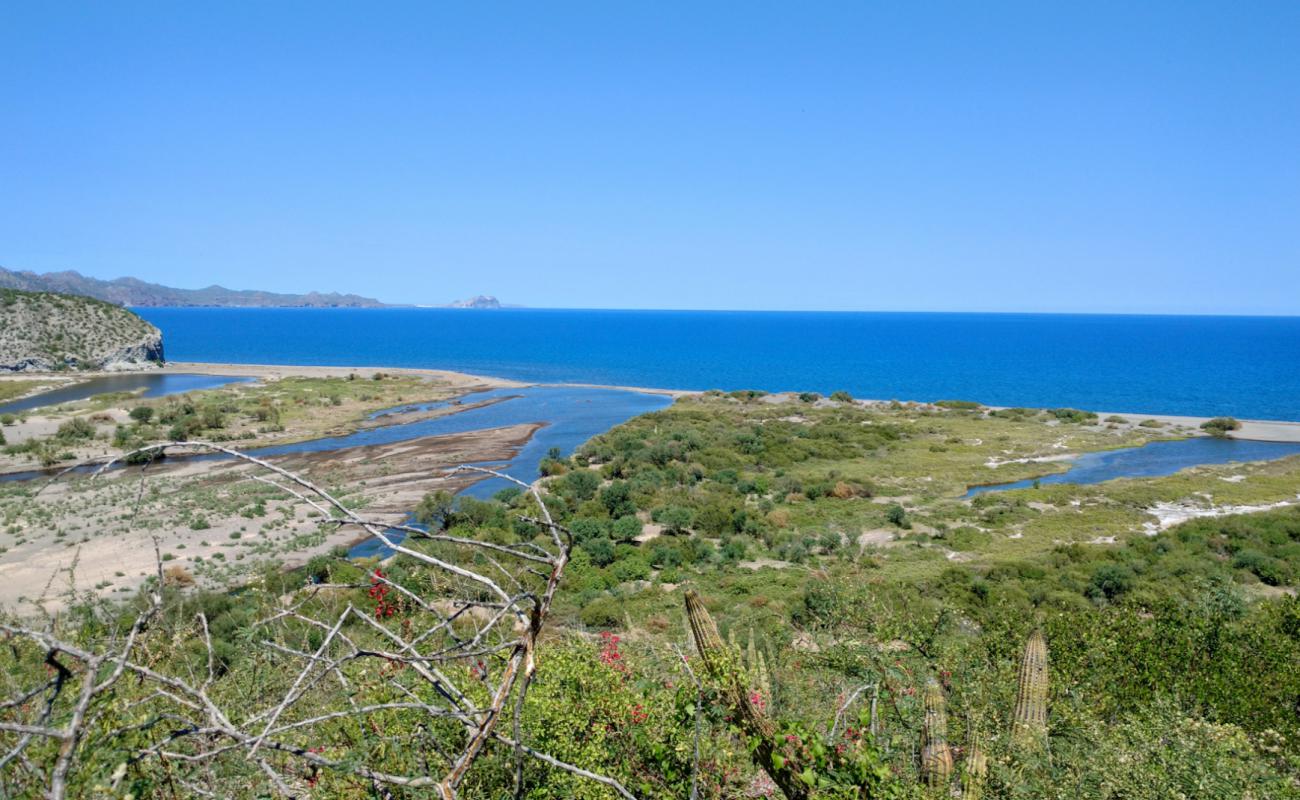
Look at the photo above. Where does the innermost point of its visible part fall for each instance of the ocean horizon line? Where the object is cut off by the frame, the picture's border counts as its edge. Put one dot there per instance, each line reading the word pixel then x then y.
pixel 912 312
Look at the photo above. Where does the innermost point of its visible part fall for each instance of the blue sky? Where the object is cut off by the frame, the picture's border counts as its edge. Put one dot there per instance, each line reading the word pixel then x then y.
pixel 1128 157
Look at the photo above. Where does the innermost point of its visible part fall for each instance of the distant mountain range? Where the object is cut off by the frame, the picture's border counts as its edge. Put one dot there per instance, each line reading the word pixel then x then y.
pixel 135 292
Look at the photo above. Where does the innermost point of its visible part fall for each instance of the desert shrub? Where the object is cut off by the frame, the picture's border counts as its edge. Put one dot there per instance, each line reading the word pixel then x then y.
pixel 587 528
pixel 1073 415
pixel 631 569
pixel 580 484
pixel 75 429
pixel 1270 570
pixel 960 405
pixel 600 549
pixel 1220 426
pixel 142 414
pixel 1110 581
pixel 603 612
pixel 675 519
pixel 617 499
pixel 625 529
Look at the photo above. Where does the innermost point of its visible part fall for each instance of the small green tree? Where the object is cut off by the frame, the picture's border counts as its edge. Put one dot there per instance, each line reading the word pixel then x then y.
pixel 675 519
pixel 626 529
pixel 142 414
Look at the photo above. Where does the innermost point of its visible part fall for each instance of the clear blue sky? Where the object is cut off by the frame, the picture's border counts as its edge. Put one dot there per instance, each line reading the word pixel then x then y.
pixel 930 156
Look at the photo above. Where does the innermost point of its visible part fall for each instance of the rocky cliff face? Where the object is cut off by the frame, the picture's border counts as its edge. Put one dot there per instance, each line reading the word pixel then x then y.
pixel 40 331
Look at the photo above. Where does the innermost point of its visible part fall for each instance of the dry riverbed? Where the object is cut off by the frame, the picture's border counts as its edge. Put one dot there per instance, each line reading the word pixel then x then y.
pixel 212 523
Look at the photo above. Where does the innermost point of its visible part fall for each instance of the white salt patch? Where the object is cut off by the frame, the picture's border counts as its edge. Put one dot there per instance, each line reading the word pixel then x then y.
pixel 1169 514
pixel 994 463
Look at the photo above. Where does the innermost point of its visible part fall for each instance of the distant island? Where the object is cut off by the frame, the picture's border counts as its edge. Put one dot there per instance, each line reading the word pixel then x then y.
pixel 481 301
pixel 135 292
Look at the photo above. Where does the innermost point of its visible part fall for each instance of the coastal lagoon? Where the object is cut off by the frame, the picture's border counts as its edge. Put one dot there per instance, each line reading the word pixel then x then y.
pixel 1152 461
pixel 1247 367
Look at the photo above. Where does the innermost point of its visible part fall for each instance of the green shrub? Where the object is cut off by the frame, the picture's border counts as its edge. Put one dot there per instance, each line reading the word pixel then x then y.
pixel 1270 570
pixel 603 612
pixel 142 414
pixel 1220 426
pixel 1073 415
pixel 626 529
pixel 631 569
pixel 600 549
pixel 675 519
pixel 75 429
pixel 1111 581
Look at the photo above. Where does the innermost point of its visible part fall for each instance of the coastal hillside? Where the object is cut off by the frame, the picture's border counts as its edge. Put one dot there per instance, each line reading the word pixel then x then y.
pixel 42 331
pixel 135 292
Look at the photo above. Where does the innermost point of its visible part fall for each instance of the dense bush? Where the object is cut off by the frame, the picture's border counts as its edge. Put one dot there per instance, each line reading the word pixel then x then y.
pixel 1220 426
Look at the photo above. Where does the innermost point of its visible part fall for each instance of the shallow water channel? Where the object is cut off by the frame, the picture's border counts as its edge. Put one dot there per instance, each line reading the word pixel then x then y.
pixel 1152 461
pixel 154 385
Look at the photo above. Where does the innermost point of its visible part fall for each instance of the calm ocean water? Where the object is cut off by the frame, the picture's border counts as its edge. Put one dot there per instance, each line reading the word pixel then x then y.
pixel 1243 366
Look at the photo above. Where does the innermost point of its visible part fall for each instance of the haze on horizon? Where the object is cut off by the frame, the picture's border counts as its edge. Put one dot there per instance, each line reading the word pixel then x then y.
pixel 991 157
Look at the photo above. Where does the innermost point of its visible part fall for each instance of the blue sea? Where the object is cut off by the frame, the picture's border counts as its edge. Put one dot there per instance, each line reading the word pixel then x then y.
pixel 1242 366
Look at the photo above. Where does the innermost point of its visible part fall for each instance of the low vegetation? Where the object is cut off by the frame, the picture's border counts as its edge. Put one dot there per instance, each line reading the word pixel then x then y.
pixel 46 331
pixel 793 597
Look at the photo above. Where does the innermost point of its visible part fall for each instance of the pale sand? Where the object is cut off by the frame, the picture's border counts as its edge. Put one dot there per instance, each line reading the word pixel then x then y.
pixel 1257 430
pixel 455 379
pixel 277 371
pixel 106 550
pixel 1170 514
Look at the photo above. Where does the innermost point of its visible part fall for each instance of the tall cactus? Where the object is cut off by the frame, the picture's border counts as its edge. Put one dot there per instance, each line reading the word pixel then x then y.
pixel 974 768
pixel 757 664
pixel 1030 725
pixel 721 663
pixel 936 756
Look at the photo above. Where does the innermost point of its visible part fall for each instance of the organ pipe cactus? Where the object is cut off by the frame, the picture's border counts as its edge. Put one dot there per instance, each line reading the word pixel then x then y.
pixel 722 666
pixel 936 756
pixel 974 769
pixel 757 664
pixel 1029 727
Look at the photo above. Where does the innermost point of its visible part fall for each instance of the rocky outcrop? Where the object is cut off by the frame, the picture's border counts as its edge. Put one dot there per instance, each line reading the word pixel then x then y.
pixel 43 332
pixel 480 301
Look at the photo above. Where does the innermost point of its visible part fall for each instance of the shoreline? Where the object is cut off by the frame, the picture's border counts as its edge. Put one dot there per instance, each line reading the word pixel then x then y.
pixel 452 376
pixel 1251 429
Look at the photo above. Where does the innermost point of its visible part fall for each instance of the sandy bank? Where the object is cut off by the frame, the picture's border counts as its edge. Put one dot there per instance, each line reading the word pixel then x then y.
pixel 277 371
pixel 78 538
pixel 1258 430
